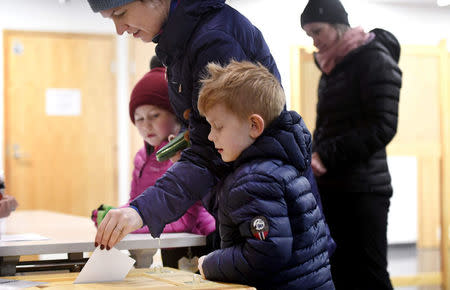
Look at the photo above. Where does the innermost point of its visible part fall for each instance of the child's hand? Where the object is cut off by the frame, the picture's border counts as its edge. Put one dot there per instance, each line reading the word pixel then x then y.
pixel 177 156
pixel 317 166
pixel 200 266
pixel 116 225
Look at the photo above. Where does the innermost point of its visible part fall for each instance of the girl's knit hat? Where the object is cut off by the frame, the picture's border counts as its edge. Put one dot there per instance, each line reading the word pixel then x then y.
pixel 151 90
pixel 100 5
pixel 329 11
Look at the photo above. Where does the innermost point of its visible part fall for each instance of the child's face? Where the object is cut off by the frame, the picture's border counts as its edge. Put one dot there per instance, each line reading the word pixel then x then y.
pixel 155 124
pixel 230 134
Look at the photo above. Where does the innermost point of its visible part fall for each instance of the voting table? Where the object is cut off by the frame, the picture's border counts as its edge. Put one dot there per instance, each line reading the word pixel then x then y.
pixel 72 235
pixel 165 278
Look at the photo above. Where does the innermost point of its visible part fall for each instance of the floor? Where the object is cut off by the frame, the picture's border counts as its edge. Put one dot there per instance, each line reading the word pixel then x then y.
pixel 405 259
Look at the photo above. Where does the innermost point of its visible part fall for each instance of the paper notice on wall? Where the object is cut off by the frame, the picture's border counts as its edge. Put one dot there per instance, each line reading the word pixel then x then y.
pixel 63 102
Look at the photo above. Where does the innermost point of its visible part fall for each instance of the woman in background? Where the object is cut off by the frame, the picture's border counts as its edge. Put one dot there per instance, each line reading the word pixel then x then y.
pixel 357 114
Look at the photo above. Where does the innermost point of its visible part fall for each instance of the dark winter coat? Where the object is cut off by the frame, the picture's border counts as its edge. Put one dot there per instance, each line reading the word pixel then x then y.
pixel 197 32
pixel 357 115
pixel 269 181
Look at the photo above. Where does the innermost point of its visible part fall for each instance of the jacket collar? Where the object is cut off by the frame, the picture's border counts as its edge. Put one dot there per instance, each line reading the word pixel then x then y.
pixel 286 139
pixel 180 26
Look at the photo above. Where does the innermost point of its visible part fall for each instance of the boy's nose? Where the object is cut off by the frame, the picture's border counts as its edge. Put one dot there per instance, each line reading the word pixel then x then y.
pixel 210 138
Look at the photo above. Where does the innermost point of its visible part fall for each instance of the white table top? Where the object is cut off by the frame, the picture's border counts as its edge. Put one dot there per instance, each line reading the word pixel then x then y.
pixel 74 234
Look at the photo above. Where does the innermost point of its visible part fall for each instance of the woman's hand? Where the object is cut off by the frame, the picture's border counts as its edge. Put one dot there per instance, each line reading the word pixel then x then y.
pixel 7 205
pixel 116 225
pixel 200 266
pixel 317 166
pixel 177 156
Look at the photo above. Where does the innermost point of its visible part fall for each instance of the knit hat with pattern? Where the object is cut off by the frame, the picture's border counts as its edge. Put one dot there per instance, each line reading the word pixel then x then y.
pixel 151 90
pixel 329 11
pixel 100 5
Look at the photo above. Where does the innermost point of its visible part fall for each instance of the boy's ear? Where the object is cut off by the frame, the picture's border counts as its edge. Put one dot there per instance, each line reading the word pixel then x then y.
pixel 256 125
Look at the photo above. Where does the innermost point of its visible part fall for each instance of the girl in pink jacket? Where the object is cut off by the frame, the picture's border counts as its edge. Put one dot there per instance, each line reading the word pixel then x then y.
pixel 152 114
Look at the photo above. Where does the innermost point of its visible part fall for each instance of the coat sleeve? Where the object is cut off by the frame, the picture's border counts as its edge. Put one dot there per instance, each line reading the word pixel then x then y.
pixel 379 87
pixel 250 259
pixel 191 178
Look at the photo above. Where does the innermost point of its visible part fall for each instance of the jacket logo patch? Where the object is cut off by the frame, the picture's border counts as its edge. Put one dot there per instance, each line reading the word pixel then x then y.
pixel 259 226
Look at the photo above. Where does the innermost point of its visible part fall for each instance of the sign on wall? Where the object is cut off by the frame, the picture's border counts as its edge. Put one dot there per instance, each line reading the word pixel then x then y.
pixel 62 102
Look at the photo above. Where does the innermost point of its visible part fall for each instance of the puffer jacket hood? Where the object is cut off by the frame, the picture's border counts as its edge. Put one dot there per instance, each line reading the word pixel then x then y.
pixel 389 41
pixel 282 140
pixel 177 33
pixel 383 41
pixel 196 7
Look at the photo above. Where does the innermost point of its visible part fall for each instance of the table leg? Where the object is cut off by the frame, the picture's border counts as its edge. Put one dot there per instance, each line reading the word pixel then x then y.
pixel 144 258
pixel 76 257
pixel 8 265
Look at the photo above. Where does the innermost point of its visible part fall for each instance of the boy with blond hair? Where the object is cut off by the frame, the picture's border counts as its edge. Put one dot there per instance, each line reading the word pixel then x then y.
pixel 273 235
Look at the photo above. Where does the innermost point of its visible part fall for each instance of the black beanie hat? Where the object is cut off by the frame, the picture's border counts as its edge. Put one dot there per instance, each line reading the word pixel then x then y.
pixel 100 5
pixel 329 11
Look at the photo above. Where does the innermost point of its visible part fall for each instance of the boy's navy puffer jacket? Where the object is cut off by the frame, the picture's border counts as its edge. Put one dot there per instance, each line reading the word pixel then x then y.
pixel 269 181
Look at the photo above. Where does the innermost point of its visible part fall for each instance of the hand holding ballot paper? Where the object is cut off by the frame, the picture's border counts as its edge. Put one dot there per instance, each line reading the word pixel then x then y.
pixel 116 225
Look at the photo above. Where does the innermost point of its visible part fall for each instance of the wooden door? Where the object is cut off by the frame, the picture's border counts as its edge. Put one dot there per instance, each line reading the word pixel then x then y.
pixel 60 121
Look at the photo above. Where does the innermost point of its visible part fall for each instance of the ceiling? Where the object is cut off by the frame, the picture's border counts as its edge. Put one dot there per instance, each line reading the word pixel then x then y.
pixel 407 2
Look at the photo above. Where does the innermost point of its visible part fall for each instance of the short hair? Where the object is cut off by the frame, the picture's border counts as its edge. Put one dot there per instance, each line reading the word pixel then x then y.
pixel 155 62
pixel 244 88
pixel 340 28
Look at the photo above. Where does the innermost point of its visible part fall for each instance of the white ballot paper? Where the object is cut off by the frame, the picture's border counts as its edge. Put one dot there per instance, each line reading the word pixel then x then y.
pixel 105 266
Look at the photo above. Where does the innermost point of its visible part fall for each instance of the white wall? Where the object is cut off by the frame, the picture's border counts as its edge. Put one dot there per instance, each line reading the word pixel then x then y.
pixel 278 20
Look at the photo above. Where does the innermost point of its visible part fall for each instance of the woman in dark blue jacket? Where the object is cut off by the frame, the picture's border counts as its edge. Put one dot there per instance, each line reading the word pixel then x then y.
pixel 189 33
